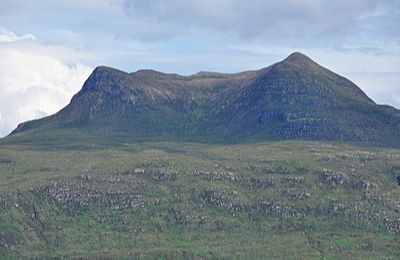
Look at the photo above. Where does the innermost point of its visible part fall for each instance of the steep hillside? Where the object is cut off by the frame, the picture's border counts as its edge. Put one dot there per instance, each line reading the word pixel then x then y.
pixel 292 99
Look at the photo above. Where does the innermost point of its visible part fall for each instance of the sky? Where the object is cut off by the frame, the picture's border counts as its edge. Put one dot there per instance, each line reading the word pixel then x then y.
pixel 49 47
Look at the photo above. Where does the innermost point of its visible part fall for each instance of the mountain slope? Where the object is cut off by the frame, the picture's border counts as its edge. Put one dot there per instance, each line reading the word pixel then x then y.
pixel 294 98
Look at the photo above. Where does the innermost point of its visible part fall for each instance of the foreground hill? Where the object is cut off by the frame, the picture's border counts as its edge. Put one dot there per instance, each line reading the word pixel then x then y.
pixel 292 99
pixel 85 196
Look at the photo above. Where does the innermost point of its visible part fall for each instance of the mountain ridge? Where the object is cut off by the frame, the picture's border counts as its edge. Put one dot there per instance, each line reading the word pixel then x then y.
pixel 292 99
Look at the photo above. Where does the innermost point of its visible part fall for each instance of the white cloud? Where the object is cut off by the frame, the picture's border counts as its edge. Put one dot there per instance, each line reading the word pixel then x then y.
pixel 34 83
pixel 278 21
pixel 7 36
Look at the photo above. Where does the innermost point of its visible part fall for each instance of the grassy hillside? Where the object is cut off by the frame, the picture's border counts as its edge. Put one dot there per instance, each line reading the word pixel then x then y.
pixel 76 194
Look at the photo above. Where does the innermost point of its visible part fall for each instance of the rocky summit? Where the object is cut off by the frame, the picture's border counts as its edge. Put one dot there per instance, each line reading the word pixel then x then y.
pixel 293 99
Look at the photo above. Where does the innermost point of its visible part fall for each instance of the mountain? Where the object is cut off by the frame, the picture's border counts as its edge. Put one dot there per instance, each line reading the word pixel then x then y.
pixel 292 99
pixel 108 176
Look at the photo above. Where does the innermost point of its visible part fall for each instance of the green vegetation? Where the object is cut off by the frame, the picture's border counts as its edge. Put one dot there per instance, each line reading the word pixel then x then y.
pixel 79 194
